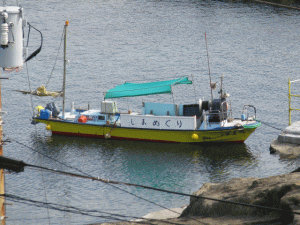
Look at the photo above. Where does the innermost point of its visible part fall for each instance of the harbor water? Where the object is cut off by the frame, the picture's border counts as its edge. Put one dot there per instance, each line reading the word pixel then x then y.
pixel 255 47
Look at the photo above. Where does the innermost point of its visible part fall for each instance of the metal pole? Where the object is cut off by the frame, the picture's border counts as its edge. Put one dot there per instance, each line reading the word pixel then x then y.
pixel 2 182
pixel 172 94
pixel 290 110
pixel 194 89
pixel 208 67
pixel 65 64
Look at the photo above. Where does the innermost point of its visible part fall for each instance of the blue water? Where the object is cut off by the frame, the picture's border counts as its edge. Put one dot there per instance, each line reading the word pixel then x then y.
pixel 254 46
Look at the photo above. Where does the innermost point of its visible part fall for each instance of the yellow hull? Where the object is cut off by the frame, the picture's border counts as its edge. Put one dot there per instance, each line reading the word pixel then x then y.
pixel 183 136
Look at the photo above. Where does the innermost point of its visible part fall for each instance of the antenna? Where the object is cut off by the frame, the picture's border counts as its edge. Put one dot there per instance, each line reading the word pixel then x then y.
pixel 221 91
pixel 208 67
pixel 194 89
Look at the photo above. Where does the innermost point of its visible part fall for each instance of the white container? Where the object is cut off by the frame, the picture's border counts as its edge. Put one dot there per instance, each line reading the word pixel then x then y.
pixel 108 107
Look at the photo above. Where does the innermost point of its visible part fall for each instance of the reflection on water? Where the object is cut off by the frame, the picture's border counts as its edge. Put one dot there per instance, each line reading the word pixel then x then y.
pixel 148 162
pixel 213 151
pixel 219 161
pixel 176 167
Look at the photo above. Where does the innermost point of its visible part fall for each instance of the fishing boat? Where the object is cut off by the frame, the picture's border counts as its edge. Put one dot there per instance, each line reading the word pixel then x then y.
pixel 201 122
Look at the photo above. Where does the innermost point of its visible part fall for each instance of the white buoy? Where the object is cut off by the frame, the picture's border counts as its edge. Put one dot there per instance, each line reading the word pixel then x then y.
pixel 107 136
pixel 11 36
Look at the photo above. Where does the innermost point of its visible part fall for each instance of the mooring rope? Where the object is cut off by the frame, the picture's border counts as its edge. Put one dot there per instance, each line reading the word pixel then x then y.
pixel 270 125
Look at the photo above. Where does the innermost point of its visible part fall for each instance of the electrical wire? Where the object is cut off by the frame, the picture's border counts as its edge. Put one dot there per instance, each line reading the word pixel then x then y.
pixel 39 49
pixel 65 208
pixel 29 84
pixel 158 189
pixel 55 60
pixel 87 176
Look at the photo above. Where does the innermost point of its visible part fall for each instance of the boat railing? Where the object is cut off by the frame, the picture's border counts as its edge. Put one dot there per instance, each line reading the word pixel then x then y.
pixel 218 116
pixel 246 112
pixel 226 110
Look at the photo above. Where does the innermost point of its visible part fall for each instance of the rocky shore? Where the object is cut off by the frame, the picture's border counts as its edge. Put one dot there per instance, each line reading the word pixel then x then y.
pixel 287 144
pixel 281 192
pixel 290 4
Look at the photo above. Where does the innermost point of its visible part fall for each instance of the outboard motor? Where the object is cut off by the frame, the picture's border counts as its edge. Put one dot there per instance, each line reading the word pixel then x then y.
pixel 53 108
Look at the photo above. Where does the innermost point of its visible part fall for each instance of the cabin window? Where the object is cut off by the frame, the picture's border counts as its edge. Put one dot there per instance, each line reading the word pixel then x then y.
pixel 101 117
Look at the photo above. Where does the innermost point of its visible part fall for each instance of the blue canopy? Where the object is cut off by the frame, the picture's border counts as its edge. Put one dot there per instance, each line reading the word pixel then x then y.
pixel 139 89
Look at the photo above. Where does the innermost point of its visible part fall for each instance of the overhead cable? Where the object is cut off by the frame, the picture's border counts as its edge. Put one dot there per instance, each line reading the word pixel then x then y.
pixel 66 208
pixel 87 176
pixel 158 189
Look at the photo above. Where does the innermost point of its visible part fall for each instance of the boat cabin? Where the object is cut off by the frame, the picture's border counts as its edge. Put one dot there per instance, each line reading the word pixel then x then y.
pixel 206 114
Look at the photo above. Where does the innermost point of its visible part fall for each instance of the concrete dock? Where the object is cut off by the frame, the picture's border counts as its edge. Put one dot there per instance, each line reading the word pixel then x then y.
pixel 288 143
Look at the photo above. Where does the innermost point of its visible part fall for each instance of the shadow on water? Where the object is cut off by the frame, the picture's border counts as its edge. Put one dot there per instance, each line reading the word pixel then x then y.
pixel 222 162
pixel 212 151
pixel 163 165
pixel 170 166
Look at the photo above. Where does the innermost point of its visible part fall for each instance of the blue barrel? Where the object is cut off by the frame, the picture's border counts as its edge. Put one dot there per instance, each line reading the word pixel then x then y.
pixel 243 117
pixel 45 114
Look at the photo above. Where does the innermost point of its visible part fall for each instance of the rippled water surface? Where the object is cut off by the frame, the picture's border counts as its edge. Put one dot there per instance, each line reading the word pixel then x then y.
pixel 255 47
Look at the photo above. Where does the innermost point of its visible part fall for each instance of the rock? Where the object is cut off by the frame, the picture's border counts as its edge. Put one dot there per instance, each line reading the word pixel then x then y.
pixel 285 149
pixel 281 192
pixel 288 142
pixel 165 214
pixel 296 170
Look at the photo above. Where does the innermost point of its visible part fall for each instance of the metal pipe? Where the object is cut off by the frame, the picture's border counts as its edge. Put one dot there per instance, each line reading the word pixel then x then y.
pixel 65 64
pixel 208 68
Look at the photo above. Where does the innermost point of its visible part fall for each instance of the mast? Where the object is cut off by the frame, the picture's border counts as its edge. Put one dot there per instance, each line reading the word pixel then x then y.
pixel 65 64
pixel 210 84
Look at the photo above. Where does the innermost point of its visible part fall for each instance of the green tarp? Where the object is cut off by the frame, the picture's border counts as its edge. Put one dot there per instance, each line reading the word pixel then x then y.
pixel 139 89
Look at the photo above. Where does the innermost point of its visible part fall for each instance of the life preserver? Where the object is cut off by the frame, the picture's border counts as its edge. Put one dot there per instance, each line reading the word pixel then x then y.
pixel 224 106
